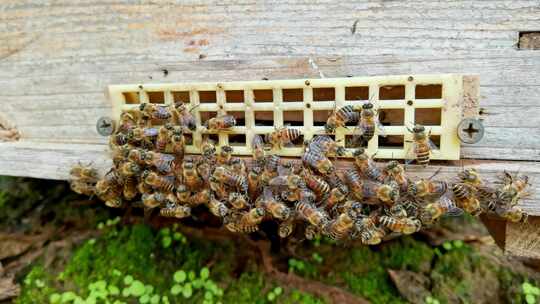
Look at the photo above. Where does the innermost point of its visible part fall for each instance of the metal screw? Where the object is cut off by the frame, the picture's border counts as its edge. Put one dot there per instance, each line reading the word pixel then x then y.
pixel 410 78
pixel 105 126
pixel 409 102
pixel 307 82
pixel 470 131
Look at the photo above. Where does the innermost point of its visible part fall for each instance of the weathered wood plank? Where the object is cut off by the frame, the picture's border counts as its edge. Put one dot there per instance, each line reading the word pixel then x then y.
pixel 522 239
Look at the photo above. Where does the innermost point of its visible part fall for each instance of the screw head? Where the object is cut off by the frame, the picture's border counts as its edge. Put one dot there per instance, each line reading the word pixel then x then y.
pixel 410 78
pixel 307 82
pixel 105 126
pixel 470 130
pixel 409 102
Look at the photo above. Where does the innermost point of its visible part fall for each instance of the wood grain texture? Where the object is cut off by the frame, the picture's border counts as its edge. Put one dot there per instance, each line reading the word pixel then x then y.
pixel 522 238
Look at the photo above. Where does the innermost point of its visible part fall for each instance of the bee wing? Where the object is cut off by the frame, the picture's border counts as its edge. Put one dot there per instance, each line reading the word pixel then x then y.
pixel 360 128
pixel 151 132
pixel 164 162
pixel 278 181
pixel 432 145
pixel 380 128
pixel 449 204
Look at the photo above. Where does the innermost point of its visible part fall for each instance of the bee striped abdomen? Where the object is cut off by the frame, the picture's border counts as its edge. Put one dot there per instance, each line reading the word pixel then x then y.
pixel 461 191
pixel 422 154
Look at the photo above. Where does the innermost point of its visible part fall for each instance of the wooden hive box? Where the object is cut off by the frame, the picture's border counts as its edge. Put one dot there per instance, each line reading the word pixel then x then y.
pixel 56 61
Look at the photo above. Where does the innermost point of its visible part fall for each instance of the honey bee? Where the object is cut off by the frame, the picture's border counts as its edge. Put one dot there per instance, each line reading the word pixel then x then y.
pixel 337 195
pixel 270 169
pixel 285 228
pixel 137 155
pixel 184 194
pixel 163 137
pixel 220 123
pixel 319 186
pixel 109 192
pixel 225 155
pixel 223 175
pixel 352 208
pixel 311 232
pixel 257 148
pixel 465 196
pixel 238 166
pixel 112 202
pixel 199 198
pixel 232 222
pixel 340 118
pixel 355 183
pixel 217 207
pixel 154 200
pixel 118 139
pixel 130 188
pixel 396 172
pixel 277 209
pixel 514 214
pixel 177 145
pixel 85 174
pixel 327 146
pixel 238 200
pixel 366 165
pixel 282 137
pixel 218 188
pixel 425 187
pixel 422 144
pixel 513 189
pixel 184 116
pixel 82 188
pixel 127 121
pixel 139 134
pixel 435 209
pixel 162 161
pixel 130 169
pixel 318 162
pixel 292 182
pixel 372 236
pixel 253 179
pixel 368 123
pixel 166 183
pixel 340 227
pixel 177 211
pixel 311 214
pixel 385 193
pixel 253 217
pixel 401 225
pixel 154 111
pixel 208 150
pixel 190 175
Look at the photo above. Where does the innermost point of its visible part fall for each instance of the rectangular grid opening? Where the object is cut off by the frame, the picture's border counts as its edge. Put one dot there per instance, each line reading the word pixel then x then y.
pixel 156 97
pixel 428 116
pixel 264 118
pixel 213 138
pixel 263 95
pixel 436 139
pixel 181 97
pixel 293 95
pixel 392 92
pixel 429 91
pixel 320 117
pixel 392 117
pixel 206 115
pixel 293 118
pixel 234 96
pixel 324 94
pixel 391 142
pixel 131 97
pixel 207 97
pixel 237 139
pixel 240 117
pixel 356 93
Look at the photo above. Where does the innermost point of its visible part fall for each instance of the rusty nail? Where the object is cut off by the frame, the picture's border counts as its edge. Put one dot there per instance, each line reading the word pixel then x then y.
pixel 105 126
pixel 470 130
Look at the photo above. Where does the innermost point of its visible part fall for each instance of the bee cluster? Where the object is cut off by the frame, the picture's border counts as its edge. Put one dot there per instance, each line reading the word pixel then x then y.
pixel 367 201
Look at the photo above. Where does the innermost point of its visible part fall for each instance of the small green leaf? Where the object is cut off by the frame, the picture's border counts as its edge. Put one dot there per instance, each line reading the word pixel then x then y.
pixel 188 291
pixel 100 285
pixel 166 241
pixel 137 288
pixel 80 300
pixel 192 275
pixel 278 291
pixel 219 292
pixel 208 295
pixel 154 299
pixel 113 290
pixel 179 276
pixel 148 289
pixel 116 272
pixel 165 231
pixel 128 280
pixel 177 236
pixel 176 289
pixel 144 299
pixel 271 296
pixel 68 296
pixel 530 299
pixel 205 273
pixel 165 300
pixel 91 241
pixel 126 292
pixel 39 283
pixel 90 300
pixel 458 243
pixel 100 226
pixel 55 298
pixel 197 283
pixel 535 291
pixel 447 246
pixel 526 286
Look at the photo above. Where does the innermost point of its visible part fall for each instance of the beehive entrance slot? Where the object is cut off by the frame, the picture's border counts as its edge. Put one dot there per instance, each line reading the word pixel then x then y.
pixel 156 97
pixel 237 139
pixel 293 118
pixel 234 96
pixel 239 116
pixel 181 97
pixel 324 94
pixel 207 97
pixel 428 116
pixel 293 95
pixel 263 95
pixel 429 91
pixel 391 92
pixel 264 118
pixel 391 142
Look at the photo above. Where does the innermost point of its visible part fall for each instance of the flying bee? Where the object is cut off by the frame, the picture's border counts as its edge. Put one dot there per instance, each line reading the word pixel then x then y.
pixel 83 173
pixel 224 156
pixel 154 200
pixel 183 194
pixel 225 176
pixel 200 197
pixel 154 111
pixel 425 187
pixel 340 227
pixel 368 123
pixel 327 146
pixel 238 200
pixel 395 171
pixel 282 137
pixel 318 162
pixel 422 145
pixel 253 217
pixel 401 225
pixel 190 175
pixel 513 189
pixel 82 188
pixel 257 150
pixel 166 183
pixel 130 188
pixel 319 186
pixel 217 207
pixel 311 214
pixel 514 214
pixel 285 228
pixel 435 209
pixel 225 122
pixel 366 165
pixel 130 169
pixel 340 118
pixel 465 196
pixel 177 211
pixel 276 208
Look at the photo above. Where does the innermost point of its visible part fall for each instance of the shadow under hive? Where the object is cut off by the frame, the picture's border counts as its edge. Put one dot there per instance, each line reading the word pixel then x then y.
pixel 304 104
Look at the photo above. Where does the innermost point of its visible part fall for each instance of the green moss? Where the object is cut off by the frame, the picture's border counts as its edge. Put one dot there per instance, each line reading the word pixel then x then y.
pixel 36 287
pixel 296 297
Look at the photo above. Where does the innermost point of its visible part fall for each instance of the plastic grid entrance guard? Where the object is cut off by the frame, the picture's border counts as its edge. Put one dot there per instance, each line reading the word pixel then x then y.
pixel 304 97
